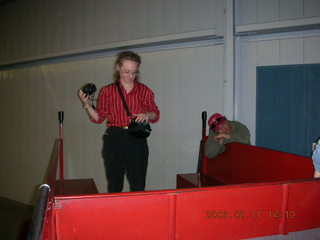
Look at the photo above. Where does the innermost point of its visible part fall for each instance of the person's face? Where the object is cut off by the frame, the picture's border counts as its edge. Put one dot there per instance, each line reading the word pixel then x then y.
pixel 224 128
pixel 128 71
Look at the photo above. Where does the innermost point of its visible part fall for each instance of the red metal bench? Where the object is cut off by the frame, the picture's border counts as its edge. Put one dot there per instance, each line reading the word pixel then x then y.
pixel 242 163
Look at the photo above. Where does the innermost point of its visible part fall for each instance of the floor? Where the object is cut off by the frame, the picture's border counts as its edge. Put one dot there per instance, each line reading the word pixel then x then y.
pixel 312 234
pixel 14 219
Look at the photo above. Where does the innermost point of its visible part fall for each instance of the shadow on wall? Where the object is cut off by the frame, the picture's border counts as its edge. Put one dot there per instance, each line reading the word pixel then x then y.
pixel 15 218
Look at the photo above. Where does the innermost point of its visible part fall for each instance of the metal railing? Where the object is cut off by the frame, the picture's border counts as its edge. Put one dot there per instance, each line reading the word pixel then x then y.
pixel 46 191
pixel 36 225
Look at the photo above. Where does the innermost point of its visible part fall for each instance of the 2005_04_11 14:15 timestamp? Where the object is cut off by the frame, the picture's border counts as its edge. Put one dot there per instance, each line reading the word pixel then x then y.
pixel 243 214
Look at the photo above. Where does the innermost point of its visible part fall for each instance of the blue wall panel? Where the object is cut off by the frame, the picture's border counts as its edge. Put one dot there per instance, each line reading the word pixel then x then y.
pixel 287 112
pixel 313 107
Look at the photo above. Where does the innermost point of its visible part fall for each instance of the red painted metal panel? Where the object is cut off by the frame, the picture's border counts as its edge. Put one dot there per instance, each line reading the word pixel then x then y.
pixel 226 212
pixel 204 158
pixel 246 212
pixel 304 200
pixel 75 187
pixel 115 217
pixel 270 194
pixel 49 227
pixel 190 180
pixel 242 163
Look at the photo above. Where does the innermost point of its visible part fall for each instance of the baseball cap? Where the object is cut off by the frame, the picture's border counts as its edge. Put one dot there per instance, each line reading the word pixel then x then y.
pixel 216 120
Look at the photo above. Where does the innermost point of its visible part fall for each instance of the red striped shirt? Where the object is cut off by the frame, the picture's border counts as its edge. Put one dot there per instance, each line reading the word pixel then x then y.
pixel 139 100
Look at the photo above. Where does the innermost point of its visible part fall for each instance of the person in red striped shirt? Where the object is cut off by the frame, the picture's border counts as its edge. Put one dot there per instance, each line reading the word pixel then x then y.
pixel 123 153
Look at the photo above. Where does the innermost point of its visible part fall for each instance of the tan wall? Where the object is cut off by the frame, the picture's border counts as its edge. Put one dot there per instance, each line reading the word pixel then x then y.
pixel 37 29
pixel 185 81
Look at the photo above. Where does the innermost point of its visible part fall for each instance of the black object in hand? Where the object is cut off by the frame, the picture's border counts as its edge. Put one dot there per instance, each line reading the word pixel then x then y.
pixel 139 129
pixel 89 88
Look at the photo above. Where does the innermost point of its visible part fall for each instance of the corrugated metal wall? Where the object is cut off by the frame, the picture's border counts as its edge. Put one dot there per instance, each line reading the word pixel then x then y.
pixel 262 11
pixel 295 48
pixel 35 29
pixel 186 79
pixel 185 82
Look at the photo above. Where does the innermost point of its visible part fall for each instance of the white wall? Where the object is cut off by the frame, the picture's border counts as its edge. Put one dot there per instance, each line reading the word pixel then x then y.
pixel 185 81
pixel 263 11
pixel 39 29
pixel 276 49
pixel 273 32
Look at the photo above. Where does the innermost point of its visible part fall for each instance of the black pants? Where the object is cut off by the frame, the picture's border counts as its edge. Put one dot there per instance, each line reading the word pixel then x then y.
pixel 125 154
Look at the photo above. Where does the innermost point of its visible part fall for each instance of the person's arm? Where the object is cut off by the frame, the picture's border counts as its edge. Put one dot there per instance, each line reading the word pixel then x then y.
pixel 221 137
pixel 316 161
pixel 86 105
pixel 240 133
pixel 145 117
pixel 152 113
pixel 213 147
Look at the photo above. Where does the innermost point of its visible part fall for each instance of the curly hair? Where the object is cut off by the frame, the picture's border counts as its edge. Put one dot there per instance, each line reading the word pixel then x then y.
pixel 122 56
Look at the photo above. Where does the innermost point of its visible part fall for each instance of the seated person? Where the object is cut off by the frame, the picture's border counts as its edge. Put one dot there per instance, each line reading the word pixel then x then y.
pixel 223 131
pixel 316 160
